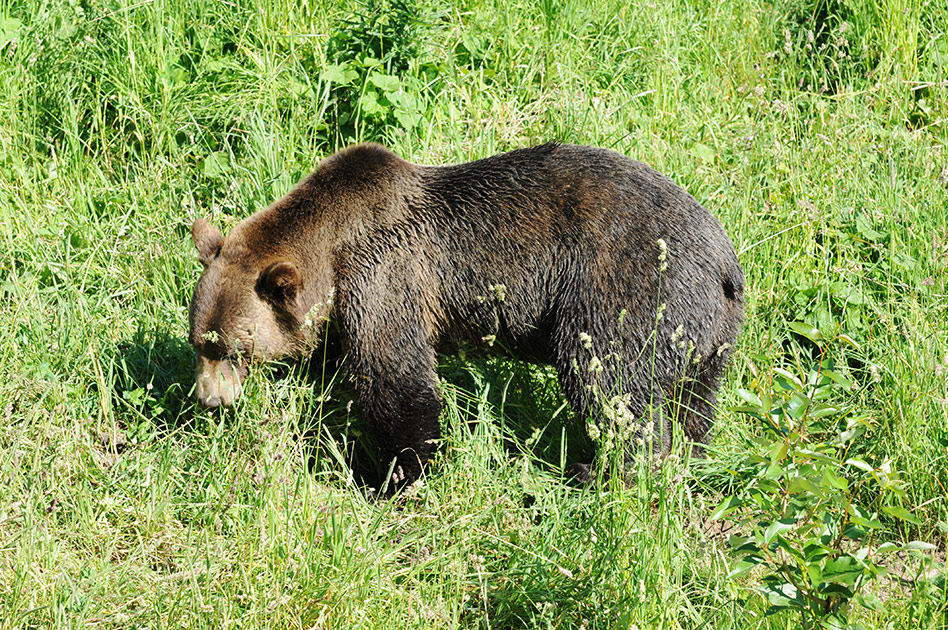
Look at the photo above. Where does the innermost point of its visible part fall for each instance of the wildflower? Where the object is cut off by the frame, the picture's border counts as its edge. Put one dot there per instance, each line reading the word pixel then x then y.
pixel 662 254
pixel 617 411
pixel 595 365
pixel 677 334
pixel 648 431
pixel 585 340
pixel 661 310
pixel 499 291
pixel 593 431
pixel 609 441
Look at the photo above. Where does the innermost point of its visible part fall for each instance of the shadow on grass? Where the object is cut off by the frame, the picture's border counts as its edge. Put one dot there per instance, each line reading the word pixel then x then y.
pixel 527 400
pixel 152 379
pixel 151 376
pixel 523 399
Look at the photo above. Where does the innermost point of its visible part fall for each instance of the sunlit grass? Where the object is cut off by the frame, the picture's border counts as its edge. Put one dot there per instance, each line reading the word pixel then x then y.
pixel 123 505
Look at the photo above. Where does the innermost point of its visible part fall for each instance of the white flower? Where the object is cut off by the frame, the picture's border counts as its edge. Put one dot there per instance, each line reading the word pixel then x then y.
pixel 595 365
pixel 585 340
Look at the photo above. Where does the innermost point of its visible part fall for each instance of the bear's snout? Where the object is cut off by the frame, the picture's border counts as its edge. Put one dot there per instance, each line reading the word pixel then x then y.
pixel 217 383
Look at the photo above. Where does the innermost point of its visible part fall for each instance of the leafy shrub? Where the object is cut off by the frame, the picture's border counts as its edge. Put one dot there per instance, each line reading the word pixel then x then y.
pixel 374 54
pixel 813 515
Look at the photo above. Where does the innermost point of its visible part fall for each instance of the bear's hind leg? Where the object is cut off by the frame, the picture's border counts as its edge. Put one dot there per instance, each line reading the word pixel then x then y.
pixel 696 407
pixel 627 408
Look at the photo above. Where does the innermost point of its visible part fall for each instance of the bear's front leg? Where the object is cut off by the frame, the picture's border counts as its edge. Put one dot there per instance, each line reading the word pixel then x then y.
pixel 402 409
pixel 392 365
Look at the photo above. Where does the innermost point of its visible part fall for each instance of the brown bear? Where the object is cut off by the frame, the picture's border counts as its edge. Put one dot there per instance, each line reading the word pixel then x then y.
pixel 574 256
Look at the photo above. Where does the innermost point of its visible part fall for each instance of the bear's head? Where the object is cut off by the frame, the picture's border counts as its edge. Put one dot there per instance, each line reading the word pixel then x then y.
pixel 246 307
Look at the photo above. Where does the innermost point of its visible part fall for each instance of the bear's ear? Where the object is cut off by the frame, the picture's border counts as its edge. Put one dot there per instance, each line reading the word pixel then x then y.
pixel 207 239
pixel 281 285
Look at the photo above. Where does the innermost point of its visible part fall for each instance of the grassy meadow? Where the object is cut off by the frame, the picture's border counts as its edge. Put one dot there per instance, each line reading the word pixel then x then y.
pixel 815 130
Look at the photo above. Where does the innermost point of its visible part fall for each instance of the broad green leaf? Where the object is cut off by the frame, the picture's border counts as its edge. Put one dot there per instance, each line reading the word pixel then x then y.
pixel 904 261
pixel 790 548
pixel 801 484
pixel 858 463
pixel 808 331
pixel 216 163
pixel 742 544
pixel 823 411
pixel 854 532
pixel 773 471
pixel 750 397
pixel 745 565
pixel 782 595
pixel 901 513
pixel 792 378
pixel 835 622
pixel 815 551
pixel 849 340
pixel 851 294
pixel 408 120
pixel 917 545
pixel 872 522
pixel 844 570
pixel 369 103
pixel 704 152
pixel 776 528
pixel 864 227
pixel 727 506
pixel 849 434
pixel 887 547
pixel 778 451
pixel 839 379
pixel 870 601
pixel 818 456
pixel 9 30
pixel 385 82
pixel 797 406
pixel 340 74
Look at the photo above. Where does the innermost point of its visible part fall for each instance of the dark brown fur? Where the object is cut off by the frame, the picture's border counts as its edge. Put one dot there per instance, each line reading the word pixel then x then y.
pixel 525 251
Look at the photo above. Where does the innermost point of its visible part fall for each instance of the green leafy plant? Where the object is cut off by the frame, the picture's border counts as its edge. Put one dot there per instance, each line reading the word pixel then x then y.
pixel 373 82
pixel 812 515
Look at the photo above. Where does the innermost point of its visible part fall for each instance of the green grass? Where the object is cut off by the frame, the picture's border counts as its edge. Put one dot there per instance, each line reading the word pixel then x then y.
pixel 123 120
